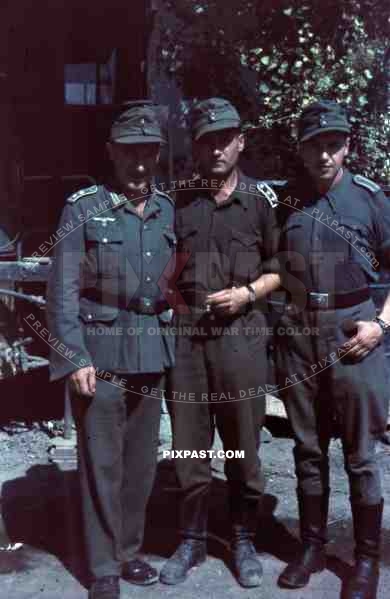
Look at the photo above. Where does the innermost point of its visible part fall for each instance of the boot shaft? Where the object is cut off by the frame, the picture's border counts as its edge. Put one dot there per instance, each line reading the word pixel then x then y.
pixel 313 517
pixel 367 522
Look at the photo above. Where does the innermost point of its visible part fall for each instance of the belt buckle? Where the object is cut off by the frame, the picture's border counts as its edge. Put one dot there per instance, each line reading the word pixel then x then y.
pixel 320 300
pixel 146 307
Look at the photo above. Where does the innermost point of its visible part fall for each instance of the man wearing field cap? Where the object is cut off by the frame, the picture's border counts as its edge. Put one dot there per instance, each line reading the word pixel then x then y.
pixel 107 306
pixel 335 234
pixel 226 229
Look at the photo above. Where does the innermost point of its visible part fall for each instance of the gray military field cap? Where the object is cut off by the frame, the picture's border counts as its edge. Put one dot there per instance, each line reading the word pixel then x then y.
pixel 137 125
pixel 321 117
pixel 214 114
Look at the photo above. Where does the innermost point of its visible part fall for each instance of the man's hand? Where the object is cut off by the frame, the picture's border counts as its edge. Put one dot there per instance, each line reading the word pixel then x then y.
pixel 83 381
pixel 369 335
pixel 228 301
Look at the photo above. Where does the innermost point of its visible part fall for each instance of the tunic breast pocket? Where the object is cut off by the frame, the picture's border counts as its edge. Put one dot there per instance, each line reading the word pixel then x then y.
pixel 357 236
pixel 186 235
pixel 292 233
pixel 294 248
pixel 245 256
pixel 186 240
pixel 104 244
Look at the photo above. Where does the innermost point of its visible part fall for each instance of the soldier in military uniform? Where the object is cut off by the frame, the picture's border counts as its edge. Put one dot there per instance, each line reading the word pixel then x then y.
pixel 226 239
pixel 106 306
pixel 334 227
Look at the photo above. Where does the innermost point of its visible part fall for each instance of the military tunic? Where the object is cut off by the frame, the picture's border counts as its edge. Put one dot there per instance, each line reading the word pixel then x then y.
pixel 331 246
pixel 108 306
pixel 108 287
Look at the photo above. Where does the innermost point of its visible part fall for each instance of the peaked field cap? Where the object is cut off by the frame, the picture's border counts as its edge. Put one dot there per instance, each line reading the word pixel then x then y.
pixel 321 117
pixel 137 124
pixel 214 114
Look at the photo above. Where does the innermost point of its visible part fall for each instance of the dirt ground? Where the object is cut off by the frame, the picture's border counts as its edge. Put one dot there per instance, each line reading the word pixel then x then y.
pixel 40 507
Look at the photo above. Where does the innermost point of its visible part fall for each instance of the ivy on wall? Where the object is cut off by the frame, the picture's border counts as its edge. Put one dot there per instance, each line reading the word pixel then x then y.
pixel 272 58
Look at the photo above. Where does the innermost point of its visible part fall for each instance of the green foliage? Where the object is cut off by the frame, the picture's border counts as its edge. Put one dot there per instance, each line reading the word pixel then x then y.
pixel 288 54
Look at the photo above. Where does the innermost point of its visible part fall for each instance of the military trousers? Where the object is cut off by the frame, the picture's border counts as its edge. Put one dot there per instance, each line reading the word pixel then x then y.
pixel 217 381
pixel 325 393
pixel 118 433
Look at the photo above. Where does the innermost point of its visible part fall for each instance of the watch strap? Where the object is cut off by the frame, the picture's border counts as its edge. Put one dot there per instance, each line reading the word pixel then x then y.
pixel 385 326
pixel 252 293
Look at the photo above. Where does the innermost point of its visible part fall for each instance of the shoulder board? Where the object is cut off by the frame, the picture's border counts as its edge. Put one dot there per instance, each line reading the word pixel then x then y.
pixel 81 193
pixel 268 193
pixel 367 183
pixel 164 195
pixel 117 199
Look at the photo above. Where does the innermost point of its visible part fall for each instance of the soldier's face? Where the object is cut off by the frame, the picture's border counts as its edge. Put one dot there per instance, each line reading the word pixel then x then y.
pixel 135 164
pixel 323 156
pixel 217 153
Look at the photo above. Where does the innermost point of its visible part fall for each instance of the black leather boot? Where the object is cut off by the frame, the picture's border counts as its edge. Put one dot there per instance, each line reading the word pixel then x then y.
pixel 246 565
pixel 313 515
pixel 363 583
pixel 192 550
pixel 138 571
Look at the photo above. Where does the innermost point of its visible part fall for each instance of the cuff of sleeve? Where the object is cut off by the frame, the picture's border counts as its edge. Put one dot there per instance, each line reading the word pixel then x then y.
pixel 271 265
pixel 60 368
pixel 384 255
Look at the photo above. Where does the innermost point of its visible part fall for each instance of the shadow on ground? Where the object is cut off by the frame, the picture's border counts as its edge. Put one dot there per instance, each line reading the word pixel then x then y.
pixel 42 510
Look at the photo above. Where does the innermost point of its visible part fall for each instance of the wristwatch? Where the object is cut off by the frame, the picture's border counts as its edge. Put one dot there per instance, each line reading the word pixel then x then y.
pixel 385 326
pixel 252 294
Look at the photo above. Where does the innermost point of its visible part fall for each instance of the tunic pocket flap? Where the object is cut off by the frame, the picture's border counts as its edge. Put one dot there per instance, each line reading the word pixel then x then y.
pixel 103 232
pixel 353 223
pixel 244 238
pixel 186 231
pixel 97 312
pixel 294 222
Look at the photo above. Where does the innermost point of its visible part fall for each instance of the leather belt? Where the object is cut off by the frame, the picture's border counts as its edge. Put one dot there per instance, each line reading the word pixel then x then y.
pixel 316 300
pixel 141 305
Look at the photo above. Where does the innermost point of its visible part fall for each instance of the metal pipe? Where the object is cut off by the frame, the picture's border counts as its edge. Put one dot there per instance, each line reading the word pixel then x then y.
pixel 34 299
pixel 68 418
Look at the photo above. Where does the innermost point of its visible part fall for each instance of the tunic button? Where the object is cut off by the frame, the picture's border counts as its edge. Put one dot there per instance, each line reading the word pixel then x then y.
pixel 147 302
pixel 104 239
pixel 89 316
pixel 148 279
pixel 148 254
pixel 146 227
